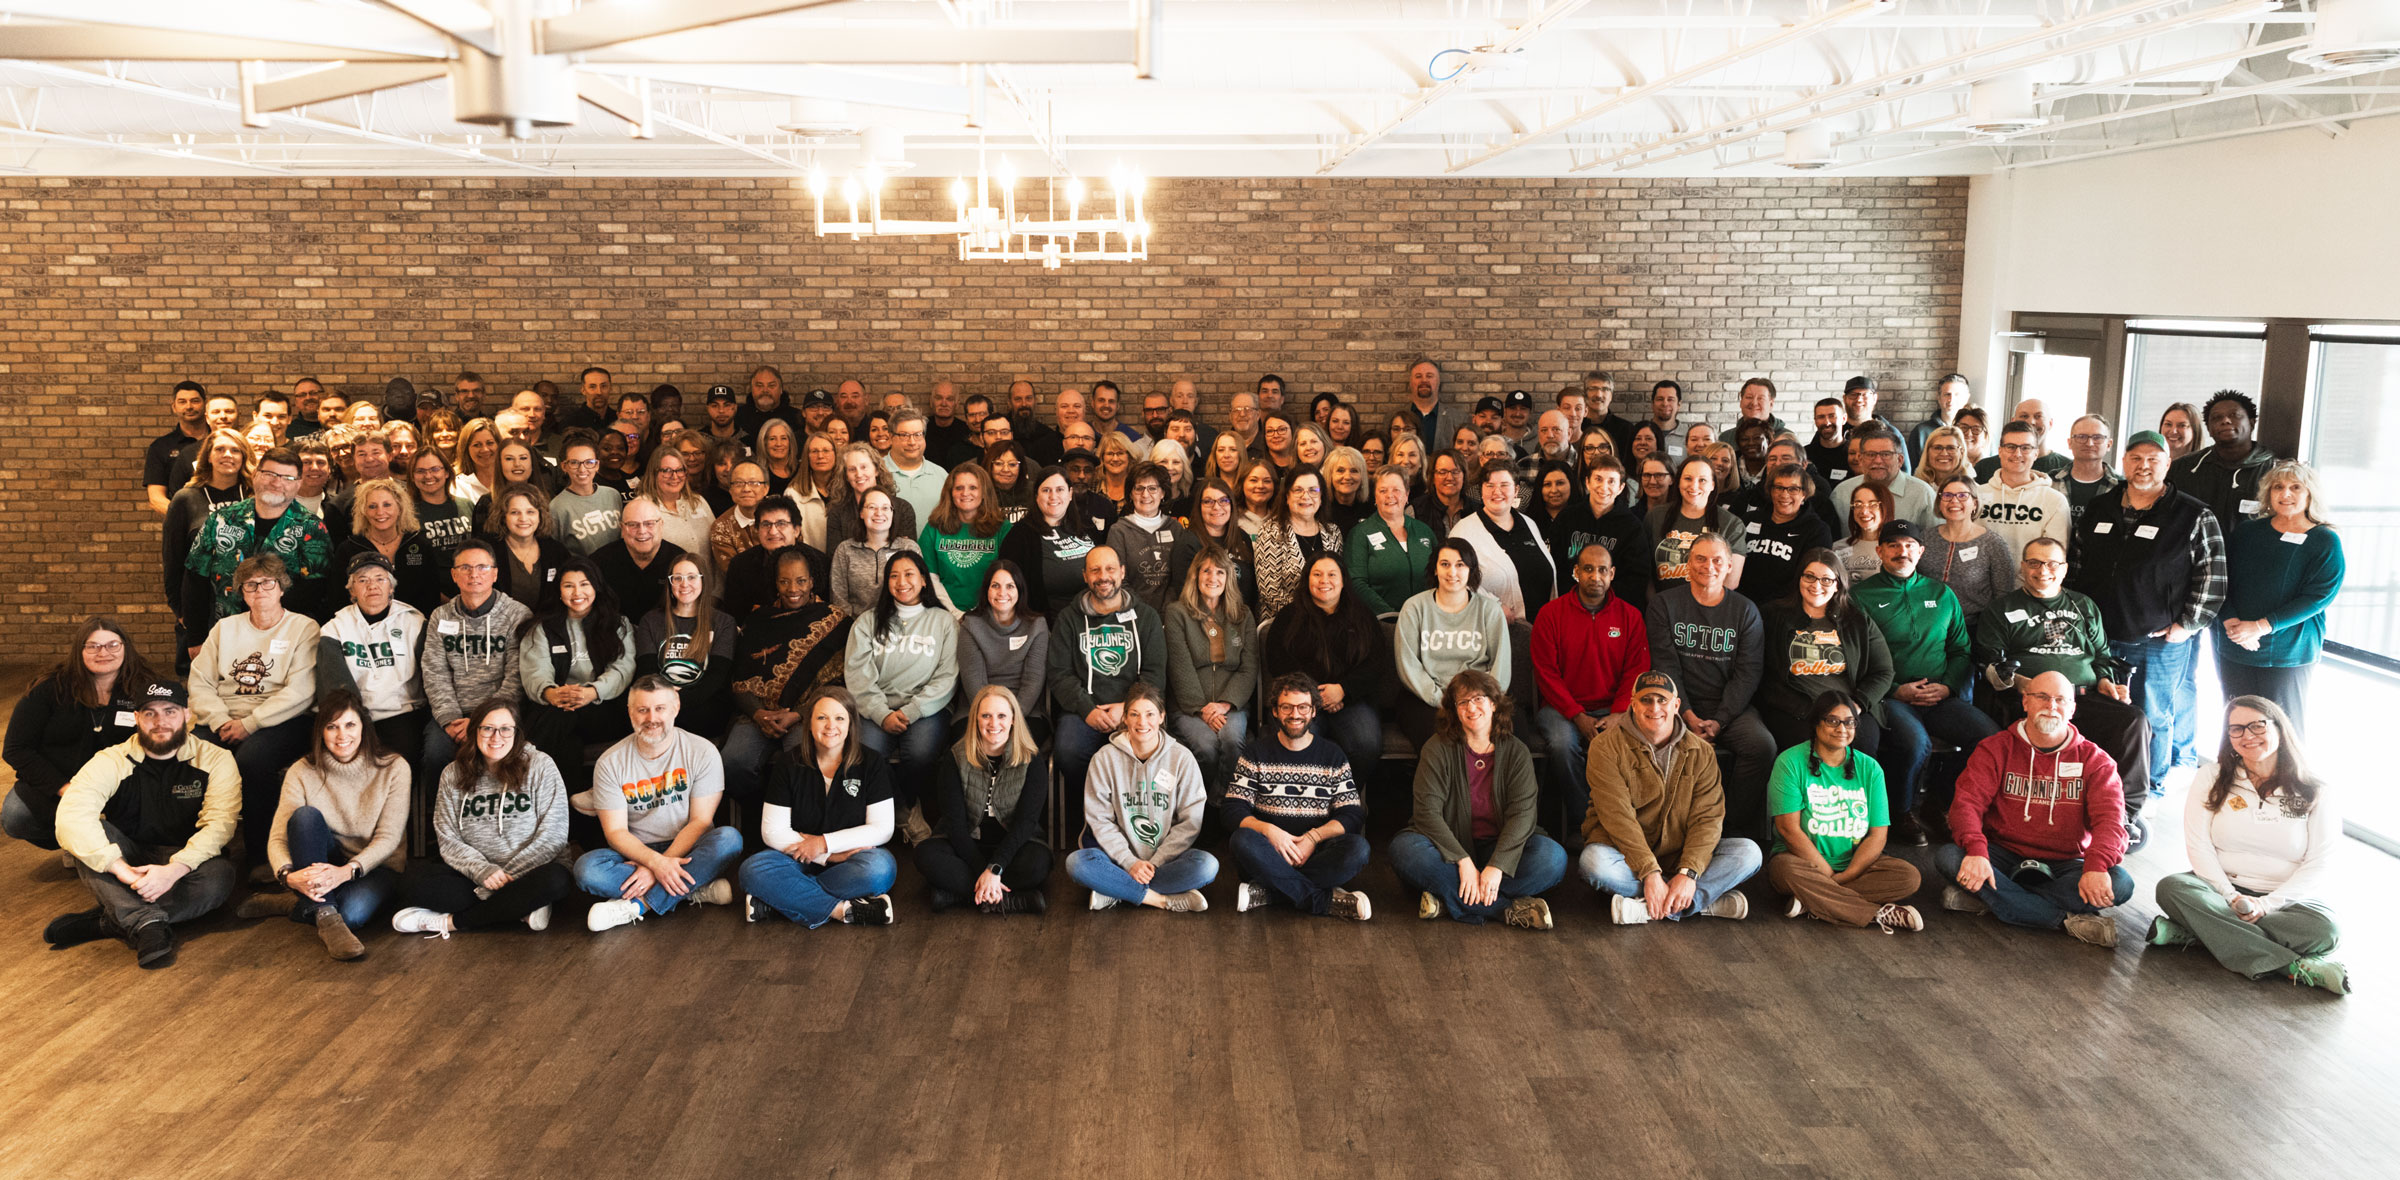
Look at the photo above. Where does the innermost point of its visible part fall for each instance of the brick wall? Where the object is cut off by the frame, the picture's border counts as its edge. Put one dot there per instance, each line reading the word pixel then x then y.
pixel 118 288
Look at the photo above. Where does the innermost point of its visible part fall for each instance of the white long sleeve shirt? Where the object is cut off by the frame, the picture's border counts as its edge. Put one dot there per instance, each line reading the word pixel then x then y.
pixel 2257 846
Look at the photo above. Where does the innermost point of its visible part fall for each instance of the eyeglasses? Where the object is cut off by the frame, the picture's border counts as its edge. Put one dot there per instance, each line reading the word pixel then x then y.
pixel 683 577
pixel 104 647
pixel 580 464
pixel 262 584
pixel 908 434
pixel 1954 496
pixel 270 473
pixel 2035 563
pixel 2018 448
pixel 479 568
pixel 749 483
pixel 1843 722
pixel 2088 437
pixel 1820 580
pixel 2256 729
pixel 496 730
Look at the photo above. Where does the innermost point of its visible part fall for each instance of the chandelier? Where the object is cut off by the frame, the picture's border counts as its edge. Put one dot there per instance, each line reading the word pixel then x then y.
pixel 999 232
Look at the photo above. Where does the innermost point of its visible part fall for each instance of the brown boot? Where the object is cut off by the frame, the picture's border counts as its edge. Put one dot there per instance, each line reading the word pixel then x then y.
pixel 339 941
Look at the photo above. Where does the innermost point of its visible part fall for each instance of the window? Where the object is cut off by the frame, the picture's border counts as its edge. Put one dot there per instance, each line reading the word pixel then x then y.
pixel 2353 438
pixel 2170 361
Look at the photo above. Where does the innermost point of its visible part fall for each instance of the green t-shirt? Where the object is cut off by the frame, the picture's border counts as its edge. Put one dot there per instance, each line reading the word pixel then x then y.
pixel 1836 810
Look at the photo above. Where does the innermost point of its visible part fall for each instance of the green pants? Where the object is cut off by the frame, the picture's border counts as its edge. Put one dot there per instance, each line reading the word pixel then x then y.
pixel 2303 929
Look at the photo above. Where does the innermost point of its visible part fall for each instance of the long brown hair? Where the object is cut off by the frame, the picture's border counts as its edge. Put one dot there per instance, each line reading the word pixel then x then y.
pixel 704 607
pixel 495 518
pixel 808 712
pixel 2291 766
pixel 72 681
pixel 471 764
pixel 1474 682
pixel 330 708
pixel 987 519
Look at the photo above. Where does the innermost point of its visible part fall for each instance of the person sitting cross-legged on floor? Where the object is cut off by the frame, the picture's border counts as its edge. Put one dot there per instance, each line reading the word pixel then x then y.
pixel 1472 848
pixel 1142 803
pixel 2040 824
pixel 2261 834
pixel 1832 817
pixel 657 793
pixel 500 826
pixel 992 788
pixel 147 821
pixel 337 840
pixel 1657 800
pixel 1298 820
pixel 828 813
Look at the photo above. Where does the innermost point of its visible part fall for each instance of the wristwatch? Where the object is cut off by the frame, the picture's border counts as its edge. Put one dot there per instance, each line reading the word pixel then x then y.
pixel 1687 872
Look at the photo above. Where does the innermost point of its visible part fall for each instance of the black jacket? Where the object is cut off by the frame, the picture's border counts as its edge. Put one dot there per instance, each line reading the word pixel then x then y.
pixel 50 736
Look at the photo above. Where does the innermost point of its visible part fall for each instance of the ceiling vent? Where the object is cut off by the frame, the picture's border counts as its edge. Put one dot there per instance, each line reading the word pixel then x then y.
pixel 820 118
pixel 2003 105
pixel 2354 35
pixel 1807 149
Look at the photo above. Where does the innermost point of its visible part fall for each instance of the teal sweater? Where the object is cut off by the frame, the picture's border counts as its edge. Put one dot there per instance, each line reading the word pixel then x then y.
pixel 1385 575
pixel 2288 580
pixel 1922 624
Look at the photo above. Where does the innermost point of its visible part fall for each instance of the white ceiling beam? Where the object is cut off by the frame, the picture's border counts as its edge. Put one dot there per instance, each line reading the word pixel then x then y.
pixel 464 20
pixel 613 21
pixel 332 82
pixel 113 43
pixel 856 87
pixel 1911 79
pixel 183 156
pixel 1693 73
pixel 844 45
pixel 2236 133
pixel 630 104
pixel 694 129
pixel 1515 41
pixel 346 30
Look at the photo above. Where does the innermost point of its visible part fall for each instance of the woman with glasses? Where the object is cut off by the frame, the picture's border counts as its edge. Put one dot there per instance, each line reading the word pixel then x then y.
pixel 1781 528
pixel 1473 848
pixel 1291 539
pixel 444 516
pixel 1212 522
pixel 689 643
pixel 1154 546
pixel 858 564
pixel 684 515
pixel 1945 458
pixel 1869 507
pixel 2262 837
pixel 500 825
pixel 1962 554
pixel 84 704
pixel 1832 818
pixel 1819 641
pixel 2283 568
pixel 253 684
pixel 1445 501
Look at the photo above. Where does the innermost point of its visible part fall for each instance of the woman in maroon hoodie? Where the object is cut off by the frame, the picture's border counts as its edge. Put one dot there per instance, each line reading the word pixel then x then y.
pixel 2040 825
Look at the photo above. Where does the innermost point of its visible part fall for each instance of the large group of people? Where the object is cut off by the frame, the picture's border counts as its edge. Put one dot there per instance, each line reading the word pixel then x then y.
pixel 449 664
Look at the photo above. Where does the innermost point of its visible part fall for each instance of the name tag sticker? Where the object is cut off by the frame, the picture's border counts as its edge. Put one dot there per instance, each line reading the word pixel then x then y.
pixel 558 649
pixel 2146 531
pixel 275 645
pixel 1016 642
pixel 1754 527
pixel 1931 603
pixel 1126 616
pixel 125 717
pixel 1164 536
pixel 1968 553
pixel 2293 538
pixel 446 627
pixel 1840 474
pixel 2070 770
pixel 2248 507
pixel 2105 526
pixel 2015 616
pixel 552 577
pixel 1375 539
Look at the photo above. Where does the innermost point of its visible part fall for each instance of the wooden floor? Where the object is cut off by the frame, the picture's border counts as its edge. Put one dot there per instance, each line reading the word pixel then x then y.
pixel 1131 1044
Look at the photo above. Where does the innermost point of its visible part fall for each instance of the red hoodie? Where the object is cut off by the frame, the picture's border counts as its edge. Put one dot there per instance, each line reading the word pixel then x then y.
pixel 1586 659
pixel 2059 805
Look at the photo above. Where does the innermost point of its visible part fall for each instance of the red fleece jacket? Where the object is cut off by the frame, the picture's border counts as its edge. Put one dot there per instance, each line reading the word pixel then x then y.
pixel 2056 805
pixel 1586 660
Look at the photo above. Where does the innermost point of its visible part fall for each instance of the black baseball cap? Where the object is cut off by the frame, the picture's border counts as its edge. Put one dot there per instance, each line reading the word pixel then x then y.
pixel 1487 403
pixel 168 692
pixel 1896 530
pixel 1515 398
pixel 817 397
pixel 1078 455
pixel 722 393
pixel 367 561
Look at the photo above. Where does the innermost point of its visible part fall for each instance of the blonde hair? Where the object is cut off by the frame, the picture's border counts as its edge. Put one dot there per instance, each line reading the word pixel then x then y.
pixel 1928 472
pixel 1017 751
pixel 461 457
pixel 399 492
pixel 204 467
pixel 2292 471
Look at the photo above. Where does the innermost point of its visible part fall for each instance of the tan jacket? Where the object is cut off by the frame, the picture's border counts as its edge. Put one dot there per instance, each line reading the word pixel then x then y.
pixel 88 793
pixel 1660 824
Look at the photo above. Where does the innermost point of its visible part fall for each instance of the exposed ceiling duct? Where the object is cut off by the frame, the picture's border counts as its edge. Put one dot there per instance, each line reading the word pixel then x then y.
pixel 1807 149
pixel 2003 105
pixel 2354 35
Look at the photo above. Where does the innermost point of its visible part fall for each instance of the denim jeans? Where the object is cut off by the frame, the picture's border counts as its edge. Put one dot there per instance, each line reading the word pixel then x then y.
pixel 31 818
pixel 602 871
pixel 2043 907
pixel 1307 886
pixel 1216 750
pixel 1908 735
pixel 1736 860
pixel 919 748
pixel 2164 688
pixel 311 842
pixel 1092 869
pixel 1564 767
pixel 1541 865
pixel 807 893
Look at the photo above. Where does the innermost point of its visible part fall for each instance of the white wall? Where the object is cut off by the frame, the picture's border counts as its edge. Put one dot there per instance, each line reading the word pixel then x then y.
pixel 2290 223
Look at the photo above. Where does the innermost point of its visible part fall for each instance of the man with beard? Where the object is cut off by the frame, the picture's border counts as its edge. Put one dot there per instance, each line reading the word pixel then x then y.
pixel 147 822
pixel 1588 648
pixel 2040 825
pixel 267 522
pixel 167 467
pixel 1101 642
pixel 657 793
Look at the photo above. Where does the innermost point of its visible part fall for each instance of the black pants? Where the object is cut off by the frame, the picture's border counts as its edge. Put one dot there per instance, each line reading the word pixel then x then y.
pixel 563 733
pixel 953 879
pixel 2287 687
pixel 444 890
pixel 404 734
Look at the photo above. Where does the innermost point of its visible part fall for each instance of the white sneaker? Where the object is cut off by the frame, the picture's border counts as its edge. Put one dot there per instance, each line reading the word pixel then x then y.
pixel 1102 901
pixel 1190 901
pixel 1628 911
pixel 538 920
pixel 717 892
pixel 1728 905
pixel 1795 910
pixel 610 914
pixel 419 920
pixel 1248 897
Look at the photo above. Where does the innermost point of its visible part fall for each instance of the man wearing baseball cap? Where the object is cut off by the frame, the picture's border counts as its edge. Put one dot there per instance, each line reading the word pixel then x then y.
pixel 1932 658
pixel 1516 419
pixel 147 822
pixel 1654 837
pixel 723 407
pixel 2153 558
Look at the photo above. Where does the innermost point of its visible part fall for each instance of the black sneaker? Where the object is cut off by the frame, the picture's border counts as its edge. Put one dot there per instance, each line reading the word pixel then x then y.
pixel 1907 832
pixel 870 911
pixel 68 930
pixel 154 946
pixel 1018 901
